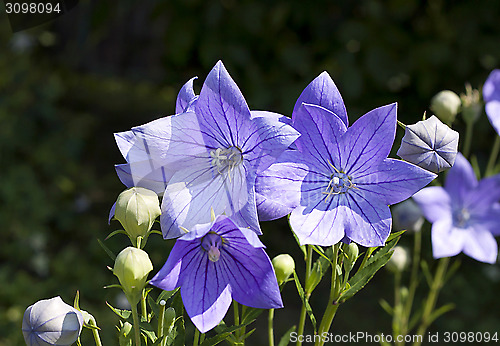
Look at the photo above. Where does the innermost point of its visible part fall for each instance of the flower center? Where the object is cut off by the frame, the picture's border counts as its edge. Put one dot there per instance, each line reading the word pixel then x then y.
pixel 462 218
pixel 339 183
pixel 211 243
pixel 226 159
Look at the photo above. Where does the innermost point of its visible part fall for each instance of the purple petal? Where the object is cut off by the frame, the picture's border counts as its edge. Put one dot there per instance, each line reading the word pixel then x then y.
pixel 446 240
pixel 484 195
pixel 320 227
pixel 434 202
pixel 481 245
pixel 460 180
pixel 367 220
pixel 249 272
pixel 491 88
pixel 323 92
pixel 393 180
pixel 369 140
pixel 278 188
pixel 320 131
pixel 206 293
pixel 125 141
pixel 222 111
pixel 111 213
pixel 193 192
pixel 144 174
pixel 492 109
pixel 185 97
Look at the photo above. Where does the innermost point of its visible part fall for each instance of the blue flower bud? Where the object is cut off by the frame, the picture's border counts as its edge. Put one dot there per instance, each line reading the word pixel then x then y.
pixel 51 322
pixel 429 144
pixel 446 104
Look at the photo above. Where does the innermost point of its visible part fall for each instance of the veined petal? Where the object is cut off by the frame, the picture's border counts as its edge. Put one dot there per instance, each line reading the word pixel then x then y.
pixel 486 193
pixel 446 240
pixel 434 202
pixel 368 220
pixel 323 92
pixel 193 192
pixel 278 187
pixel 273 135
pixel 125 141
pixel 393 180
pixel 481 245
pixel 249 272
pixel 369 140
pixel 144 174
pixel 460 179
pixel 180 258
pixel 206 293
pixel 492 109
pixel 186 97
pixel 222 110
pixel 323 226
pixel 320 131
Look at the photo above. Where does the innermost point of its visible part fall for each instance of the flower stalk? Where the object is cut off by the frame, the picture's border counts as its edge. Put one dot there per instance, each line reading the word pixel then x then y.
pixel 302 318
pixel 493 157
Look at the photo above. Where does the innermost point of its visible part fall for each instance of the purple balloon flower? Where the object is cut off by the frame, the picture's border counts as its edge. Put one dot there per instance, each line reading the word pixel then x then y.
pixel 339 182
pixel 491 96
pixel 207 156
pixel 215 263
pixel 464 214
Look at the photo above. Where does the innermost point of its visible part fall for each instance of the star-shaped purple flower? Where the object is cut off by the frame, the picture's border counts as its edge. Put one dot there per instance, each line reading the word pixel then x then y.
pixel 464 214
pixel 339 182
pixel 207 156
pixel 215 263
pixel 491 96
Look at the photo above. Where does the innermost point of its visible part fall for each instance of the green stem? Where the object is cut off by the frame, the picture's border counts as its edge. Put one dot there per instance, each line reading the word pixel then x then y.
pixel 95 333
pixel 430 303
pixel 236 318
pixel 468 138
pixel 396 317
pixel 302 318
pixel 196 339
pixel 161 318
pixel 333 305
pixel 144 308
pixel 270 331
pixel 493 156
pixel 137 328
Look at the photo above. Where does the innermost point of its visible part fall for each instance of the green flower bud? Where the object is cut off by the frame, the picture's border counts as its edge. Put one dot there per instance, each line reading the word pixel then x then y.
pixel 136 209
pixel 471 104
pixel 399 259
pixel 169 318
pixel 351 253
pixel 132 266
pixel 446 104
pixel 284 265
pixel 314 277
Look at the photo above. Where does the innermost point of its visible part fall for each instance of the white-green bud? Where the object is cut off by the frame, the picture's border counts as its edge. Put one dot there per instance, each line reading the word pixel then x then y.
pixel 284 265
pixel 351 253
pixel 472 105
pixel 132 266
pixel 136 209
pixel 445 105
pixel 399 259
pixel 51 322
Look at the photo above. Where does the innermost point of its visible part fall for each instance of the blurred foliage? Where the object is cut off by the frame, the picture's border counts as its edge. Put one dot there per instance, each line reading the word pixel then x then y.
pixel 66 86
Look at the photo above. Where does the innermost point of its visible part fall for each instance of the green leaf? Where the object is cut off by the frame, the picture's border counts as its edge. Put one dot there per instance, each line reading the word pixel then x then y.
pixel 394 235
pixel 250 315
pixel 386 306
pixel 118 231
pixel 285 339
pixel 365 274
pixel 165 295
pixel 107 250
pixel 125 314
pixel 224 333
pixel 302 296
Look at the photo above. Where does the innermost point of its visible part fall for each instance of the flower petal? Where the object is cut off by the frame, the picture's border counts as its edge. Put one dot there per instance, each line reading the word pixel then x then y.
pixel 142 174
pixel 278 187
pixel 491 88
pixel 369 140
pixel 222 110
pixel 481 245
pixel 323 92
pixel 447 241
pixel 320 131
pixel 393 180
pixel 484 195
pixel 193 192
pixel 460 180
pixel 492 109
pixel 186 97
pixel 368 220
pixel 434 202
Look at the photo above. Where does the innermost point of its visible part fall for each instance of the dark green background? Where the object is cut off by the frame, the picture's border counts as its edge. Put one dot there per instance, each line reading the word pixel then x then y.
pixel 104 67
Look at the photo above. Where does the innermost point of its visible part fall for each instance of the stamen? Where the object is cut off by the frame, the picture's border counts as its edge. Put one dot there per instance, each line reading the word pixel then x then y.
pixel 339 183
pixel 211 243
pixel 225 160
